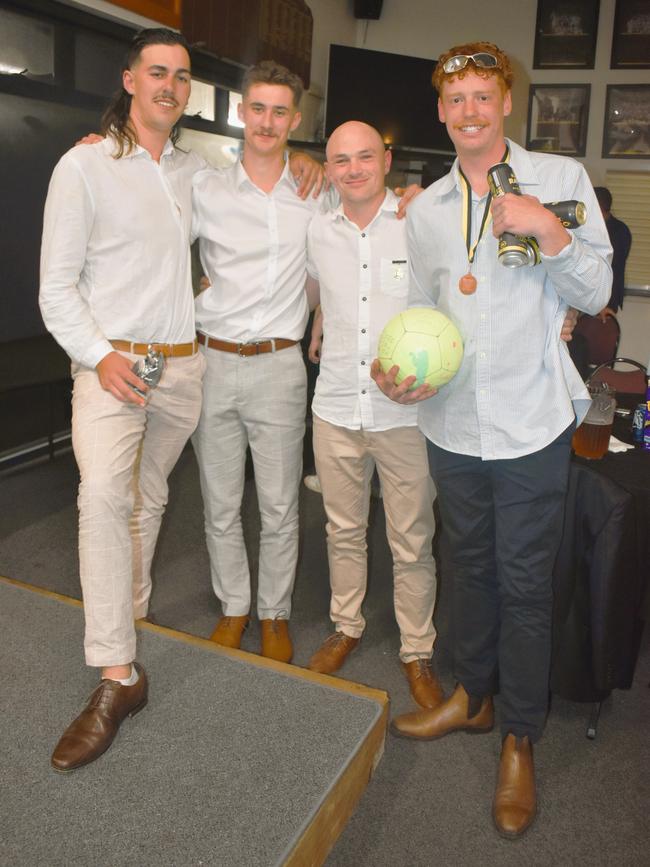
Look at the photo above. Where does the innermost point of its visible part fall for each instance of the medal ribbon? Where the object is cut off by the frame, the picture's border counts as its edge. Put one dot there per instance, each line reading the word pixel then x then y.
pixel 467 211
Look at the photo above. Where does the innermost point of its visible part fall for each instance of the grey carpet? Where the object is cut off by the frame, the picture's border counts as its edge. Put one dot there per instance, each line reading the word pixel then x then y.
pixel 428 804
pixel 227 758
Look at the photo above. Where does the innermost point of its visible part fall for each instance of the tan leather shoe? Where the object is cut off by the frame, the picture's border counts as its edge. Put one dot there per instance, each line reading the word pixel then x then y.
pixel 229 631
pixel 332 653
pixel 515 801
pixel 423 683
pixel 93 731
pixel 450 716
pixel 276 641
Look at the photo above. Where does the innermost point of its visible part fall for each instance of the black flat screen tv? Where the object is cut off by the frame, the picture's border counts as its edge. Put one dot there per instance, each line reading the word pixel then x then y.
pixel 391 92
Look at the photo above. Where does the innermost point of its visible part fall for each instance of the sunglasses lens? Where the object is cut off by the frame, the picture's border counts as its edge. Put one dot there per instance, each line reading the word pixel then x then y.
pixel 487 61
pixel 454 64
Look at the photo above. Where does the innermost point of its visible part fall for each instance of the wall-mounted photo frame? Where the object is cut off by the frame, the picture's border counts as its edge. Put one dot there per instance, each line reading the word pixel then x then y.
pixel 631 40
pixel 557 118
pixel 627 122
pixel 565 34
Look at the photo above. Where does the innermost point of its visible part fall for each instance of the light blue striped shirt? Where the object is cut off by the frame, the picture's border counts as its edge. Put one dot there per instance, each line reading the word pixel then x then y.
pixel 517 388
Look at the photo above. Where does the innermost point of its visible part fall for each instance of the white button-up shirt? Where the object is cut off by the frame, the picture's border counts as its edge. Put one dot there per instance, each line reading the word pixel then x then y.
pixel 364 281
pixel 115 261
pixel 514 391
pixel 253 250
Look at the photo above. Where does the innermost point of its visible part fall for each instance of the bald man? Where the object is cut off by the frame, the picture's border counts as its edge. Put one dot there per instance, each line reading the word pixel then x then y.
pixel 358 254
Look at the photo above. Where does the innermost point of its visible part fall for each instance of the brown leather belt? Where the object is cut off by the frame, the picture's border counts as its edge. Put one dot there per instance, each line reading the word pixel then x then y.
pixel 253 348
pixel 169 350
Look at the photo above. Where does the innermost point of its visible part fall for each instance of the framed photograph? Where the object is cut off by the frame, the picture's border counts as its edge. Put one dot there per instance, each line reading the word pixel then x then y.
pixel 631 41
pixel 557 118
pixel 627 122
pixel 565 34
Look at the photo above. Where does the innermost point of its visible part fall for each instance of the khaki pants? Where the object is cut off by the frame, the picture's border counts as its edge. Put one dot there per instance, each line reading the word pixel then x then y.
pixel 345 460
pixel 125 454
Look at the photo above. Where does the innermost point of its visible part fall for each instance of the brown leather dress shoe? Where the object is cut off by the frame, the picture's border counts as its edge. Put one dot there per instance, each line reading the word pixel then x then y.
pixel 276 641
pixel 453 715
pixel 423 683
pixel 93 731
pixel 229 631
pixel 332 653
pixel 515 802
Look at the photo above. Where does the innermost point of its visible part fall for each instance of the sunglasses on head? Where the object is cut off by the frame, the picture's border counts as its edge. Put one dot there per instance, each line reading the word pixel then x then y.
pixel 460 61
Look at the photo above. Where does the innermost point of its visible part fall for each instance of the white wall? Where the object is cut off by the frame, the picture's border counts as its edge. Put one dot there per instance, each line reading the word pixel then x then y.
pixel 425 28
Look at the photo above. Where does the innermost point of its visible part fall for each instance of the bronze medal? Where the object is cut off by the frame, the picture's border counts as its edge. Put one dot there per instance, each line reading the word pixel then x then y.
pixel 467 284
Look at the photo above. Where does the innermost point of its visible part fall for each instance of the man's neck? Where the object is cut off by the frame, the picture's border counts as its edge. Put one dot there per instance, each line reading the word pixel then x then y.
pixel 263 170
pixel 363 213
pixel 153 141
pixel 475 167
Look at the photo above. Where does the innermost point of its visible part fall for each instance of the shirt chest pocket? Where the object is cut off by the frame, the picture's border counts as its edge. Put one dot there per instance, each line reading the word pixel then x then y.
pixel 394 277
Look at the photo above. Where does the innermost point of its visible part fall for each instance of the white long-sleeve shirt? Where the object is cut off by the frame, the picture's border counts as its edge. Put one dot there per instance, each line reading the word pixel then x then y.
pixel 517 388
pixel 253 250
pixel 115 261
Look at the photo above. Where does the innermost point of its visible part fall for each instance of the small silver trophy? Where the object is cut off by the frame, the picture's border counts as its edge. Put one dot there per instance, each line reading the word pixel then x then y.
pixel 150 369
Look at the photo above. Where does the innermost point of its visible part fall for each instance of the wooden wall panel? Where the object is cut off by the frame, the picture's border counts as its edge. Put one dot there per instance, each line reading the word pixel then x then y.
pixel 246 31
pixel 167 12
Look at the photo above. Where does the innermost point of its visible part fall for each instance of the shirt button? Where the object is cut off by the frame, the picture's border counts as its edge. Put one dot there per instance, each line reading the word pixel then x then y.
pixel 363 391
pixel 363 235
pixel 365 266
pixel 363 330
pixel 363 362
pixel 364 298
pixel 482 355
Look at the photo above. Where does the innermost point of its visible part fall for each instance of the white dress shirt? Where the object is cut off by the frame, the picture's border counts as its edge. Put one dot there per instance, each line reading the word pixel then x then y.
pixel 513 393
pixel 364 281
pixel 115 260
pixel 253 250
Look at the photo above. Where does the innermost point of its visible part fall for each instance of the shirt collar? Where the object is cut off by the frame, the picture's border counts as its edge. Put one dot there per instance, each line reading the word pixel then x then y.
pixel 520 160
pixel 389 204
pixel 242 179
pixel 110 147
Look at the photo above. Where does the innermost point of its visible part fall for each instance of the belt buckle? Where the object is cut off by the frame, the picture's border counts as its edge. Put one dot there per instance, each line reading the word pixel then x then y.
pixel 240 350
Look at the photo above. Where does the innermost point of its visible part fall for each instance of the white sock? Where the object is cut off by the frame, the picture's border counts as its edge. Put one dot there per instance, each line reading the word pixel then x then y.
pixel 132 679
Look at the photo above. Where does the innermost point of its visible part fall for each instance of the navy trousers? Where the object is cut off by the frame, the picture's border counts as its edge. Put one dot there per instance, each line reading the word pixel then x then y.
pixel 502 521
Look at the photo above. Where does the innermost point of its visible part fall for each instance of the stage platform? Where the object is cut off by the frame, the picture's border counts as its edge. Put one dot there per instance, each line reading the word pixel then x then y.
pixel 236 760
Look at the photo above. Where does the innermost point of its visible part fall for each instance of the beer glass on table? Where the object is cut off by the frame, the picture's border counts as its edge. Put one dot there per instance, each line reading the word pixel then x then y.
pixel 591 439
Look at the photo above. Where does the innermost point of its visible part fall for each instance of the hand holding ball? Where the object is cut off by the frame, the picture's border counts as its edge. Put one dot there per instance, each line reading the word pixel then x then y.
pixel 424 343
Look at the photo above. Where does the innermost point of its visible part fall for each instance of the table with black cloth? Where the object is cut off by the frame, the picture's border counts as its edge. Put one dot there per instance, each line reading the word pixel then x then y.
pixel 602 573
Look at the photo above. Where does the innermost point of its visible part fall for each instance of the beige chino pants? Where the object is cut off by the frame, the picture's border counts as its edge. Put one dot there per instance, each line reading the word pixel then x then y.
pixel 345 460
pixel 125 454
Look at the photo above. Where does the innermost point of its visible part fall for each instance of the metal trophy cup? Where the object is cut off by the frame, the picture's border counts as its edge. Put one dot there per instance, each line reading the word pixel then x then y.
pixel 150 369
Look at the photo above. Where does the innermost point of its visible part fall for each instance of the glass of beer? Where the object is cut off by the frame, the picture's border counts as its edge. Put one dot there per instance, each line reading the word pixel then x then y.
pixel 591 439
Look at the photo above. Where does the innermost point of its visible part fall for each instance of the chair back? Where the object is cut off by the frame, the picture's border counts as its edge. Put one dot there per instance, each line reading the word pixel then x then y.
pixel 602 337
pixel 624 381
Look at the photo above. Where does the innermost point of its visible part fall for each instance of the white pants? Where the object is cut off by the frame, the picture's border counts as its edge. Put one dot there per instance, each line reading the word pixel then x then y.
pixel 345 460
pixel 125 454
pixel 258 401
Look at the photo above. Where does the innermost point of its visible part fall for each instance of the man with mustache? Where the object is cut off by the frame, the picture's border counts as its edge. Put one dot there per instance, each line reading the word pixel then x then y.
pixel 499 434
pixel 253 231
pixel 115 278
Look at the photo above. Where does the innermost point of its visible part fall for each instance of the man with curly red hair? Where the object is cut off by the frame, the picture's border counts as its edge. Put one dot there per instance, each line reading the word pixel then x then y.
pixel 499 434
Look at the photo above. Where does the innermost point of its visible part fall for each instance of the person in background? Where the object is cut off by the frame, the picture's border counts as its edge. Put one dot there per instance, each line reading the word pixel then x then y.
pixel 358 255
pixel 499 434
pixel 106 303
pixel 620 238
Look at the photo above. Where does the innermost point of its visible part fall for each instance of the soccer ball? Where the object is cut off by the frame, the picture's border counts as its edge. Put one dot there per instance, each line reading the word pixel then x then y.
pixel 424 343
